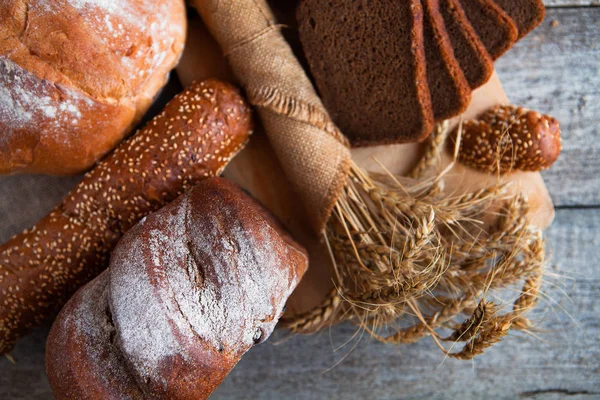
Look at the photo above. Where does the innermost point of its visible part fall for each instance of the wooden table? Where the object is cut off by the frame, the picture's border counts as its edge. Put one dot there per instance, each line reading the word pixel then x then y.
pixel 556 70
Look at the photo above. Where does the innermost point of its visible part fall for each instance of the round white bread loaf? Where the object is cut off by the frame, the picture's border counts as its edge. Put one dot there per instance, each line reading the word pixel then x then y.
pixel 77 75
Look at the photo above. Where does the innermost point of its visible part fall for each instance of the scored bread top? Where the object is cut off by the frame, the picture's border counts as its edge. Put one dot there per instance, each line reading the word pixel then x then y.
pixel 190 289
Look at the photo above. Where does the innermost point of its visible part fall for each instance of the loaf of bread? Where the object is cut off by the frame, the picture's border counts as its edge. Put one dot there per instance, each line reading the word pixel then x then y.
pixel 189 290
pixel 507 138
pixel 77 75
pixel 192 139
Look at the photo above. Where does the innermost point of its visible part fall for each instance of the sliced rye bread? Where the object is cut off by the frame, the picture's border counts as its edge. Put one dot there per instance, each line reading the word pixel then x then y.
pixel 368 62
pixel 527 14
pixel 495 28
pixel 448 87
pixel 475 62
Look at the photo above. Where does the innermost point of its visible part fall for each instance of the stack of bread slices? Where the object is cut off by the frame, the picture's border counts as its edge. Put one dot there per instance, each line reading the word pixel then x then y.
pixel 387 70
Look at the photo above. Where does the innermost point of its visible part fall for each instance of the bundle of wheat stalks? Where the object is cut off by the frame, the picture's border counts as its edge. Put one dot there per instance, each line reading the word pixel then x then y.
pixel 405 252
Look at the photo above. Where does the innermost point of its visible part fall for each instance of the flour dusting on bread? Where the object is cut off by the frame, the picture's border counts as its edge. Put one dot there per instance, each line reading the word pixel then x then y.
pixel 25 99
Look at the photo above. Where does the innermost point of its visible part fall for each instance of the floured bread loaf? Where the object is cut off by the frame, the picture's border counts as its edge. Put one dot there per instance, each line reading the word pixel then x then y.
pixel 189 290
pixel 77 75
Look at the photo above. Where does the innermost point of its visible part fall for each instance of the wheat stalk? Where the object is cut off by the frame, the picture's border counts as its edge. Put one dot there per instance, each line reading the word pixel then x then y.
pixel 489 334
pixel 402 249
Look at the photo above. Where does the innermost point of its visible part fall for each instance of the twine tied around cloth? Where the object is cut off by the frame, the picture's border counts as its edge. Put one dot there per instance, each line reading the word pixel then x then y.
pixel 400 248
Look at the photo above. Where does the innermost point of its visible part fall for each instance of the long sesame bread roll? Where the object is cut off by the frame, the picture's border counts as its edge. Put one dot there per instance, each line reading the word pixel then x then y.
pixel 195 136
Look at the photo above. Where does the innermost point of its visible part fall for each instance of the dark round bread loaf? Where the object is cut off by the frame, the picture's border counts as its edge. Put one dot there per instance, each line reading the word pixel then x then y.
pixel 189 290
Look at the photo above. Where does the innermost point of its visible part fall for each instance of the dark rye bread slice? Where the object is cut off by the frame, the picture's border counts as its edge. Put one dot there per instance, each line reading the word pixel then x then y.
pixel 449 90
pixel 494 27
pixel 368 62
pixel 527 14
pixel 475 62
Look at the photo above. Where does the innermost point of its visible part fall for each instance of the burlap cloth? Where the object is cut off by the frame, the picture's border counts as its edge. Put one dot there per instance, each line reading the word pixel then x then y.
pixel 312 152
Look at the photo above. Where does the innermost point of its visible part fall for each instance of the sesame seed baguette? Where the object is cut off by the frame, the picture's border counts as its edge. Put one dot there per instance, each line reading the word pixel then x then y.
pixel 194 137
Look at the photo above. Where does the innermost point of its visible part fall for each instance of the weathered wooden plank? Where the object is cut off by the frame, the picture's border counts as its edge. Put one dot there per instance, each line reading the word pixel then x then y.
pixel 565 362
pixel 556 70
pixel 571 3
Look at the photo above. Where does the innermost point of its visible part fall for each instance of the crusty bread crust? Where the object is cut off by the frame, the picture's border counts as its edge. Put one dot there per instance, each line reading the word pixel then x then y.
pixel 493 26
pixel 449 89
pixel 77 75
pixel 527 14
pixel 475 61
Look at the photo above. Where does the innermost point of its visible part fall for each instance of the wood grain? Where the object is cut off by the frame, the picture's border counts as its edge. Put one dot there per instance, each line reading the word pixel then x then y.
pixel 565 361
pixel 571 3
pixel 556 70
